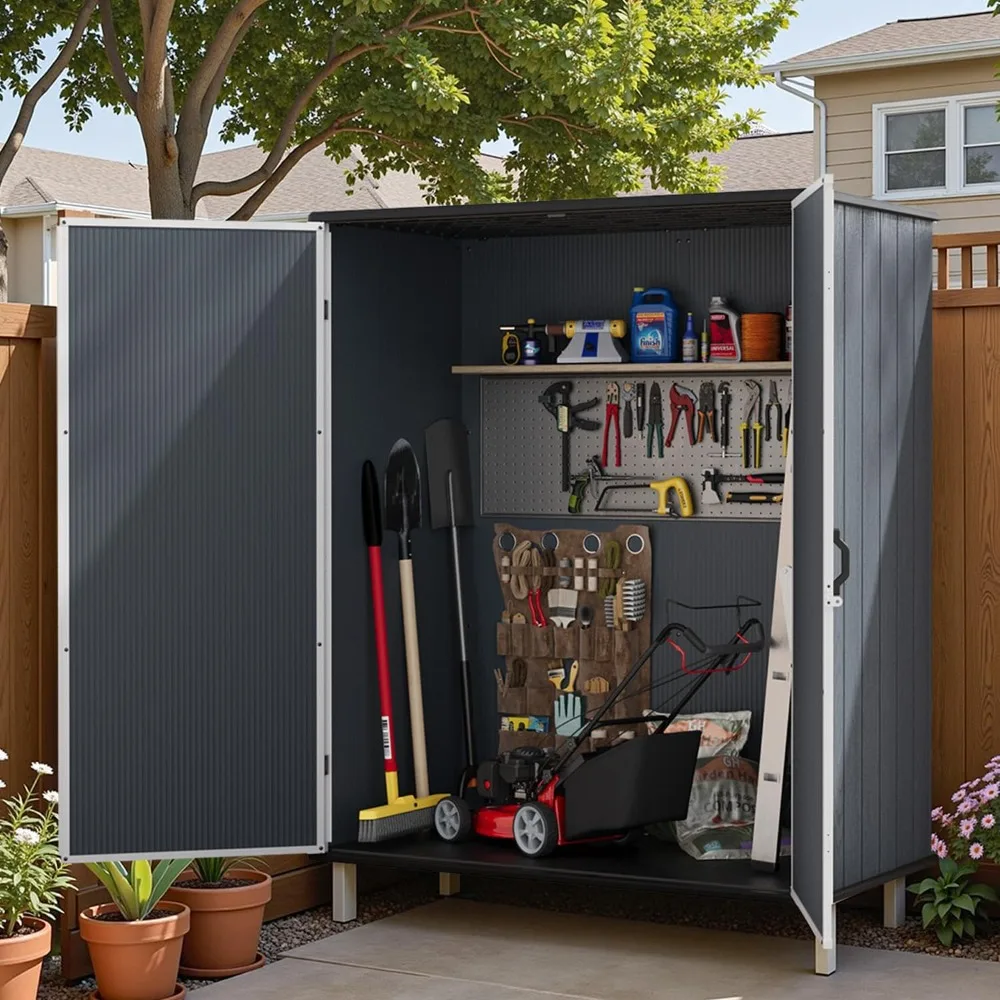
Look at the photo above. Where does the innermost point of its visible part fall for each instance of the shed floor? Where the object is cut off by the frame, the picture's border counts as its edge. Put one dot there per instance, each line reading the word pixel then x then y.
pixel 461 950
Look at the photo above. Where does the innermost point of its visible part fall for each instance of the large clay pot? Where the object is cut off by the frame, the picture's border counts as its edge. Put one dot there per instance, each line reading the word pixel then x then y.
pixel 21 960
pixel 225 925
pixel 136 959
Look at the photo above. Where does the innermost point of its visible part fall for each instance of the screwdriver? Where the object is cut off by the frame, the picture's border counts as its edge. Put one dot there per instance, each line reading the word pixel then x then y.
pixel 724 416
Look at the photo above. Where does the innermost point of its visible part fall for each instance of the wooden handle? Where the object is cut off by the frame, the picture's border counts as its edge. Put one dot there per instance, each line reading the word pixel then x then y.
pixel 421 780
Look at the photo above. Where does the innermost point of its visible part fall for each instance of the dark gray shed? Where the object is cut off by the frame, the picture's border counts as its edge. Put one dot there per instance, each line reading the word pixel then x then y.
pixel 220 387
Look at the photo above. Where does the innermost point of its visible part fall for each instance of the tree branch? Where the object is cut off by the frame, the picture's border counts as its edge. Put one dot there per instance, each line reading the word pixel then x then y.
pixel 41 85
pixel 567 125
pixel 111 50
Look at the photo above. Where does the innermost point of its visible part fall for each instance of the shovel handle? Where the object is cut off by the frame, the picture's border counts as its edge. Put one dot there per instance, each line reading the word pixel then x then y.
pixel 409 602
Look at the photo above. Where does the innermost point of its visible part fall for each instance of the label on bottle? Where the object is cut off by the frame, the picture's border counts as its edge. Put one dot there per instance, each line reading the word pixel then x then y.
pixel 722 337
pixel 689 349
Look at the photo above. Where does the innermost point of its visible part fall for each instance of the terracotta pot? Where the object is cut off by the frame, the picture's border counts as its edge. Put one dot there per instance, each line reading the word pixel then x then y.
pixel 21 960
pixel 225 926
pixel 137 959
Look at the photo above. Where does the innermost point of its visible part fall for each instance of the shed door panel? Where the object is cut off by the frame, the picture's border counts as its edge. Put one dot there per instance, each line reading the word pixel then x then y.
pixel 812 420
pixel 189 549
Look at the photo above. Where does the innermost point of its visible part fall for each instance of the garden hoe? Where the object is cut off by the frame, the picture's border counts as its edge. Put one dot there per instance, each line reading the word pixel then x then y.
pixel 402 814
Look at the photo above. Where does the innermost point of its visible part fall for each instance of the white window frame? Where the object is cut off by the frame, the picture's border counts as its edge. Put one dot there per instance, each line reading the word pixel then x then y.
pixel 954 109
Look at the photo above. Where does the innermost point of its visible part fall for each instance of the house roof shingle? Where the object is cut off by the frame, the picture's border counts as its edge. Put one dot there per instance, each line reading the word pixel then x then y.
pixel 904 36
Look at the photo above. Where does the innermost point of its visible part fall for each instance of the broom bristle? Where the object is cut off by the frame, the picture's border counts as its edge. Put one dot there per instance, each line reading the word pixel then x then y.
pixel 372 831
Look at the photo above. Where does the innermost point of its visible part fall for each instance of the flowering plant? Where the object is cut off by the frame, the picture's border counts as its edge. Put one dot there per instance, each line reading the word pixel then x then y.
pixel 970 827
pixel 32 875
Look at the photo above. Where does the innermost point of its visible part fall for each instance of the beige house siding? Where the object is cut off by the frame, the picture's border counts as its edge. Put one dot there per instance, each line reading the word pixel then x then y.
pixel 849 98
pixel 24 259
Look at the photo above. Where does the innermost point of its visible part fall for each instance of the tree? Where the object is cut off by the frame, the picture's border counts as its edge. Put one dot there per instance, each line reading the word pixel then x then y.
pixel 596 96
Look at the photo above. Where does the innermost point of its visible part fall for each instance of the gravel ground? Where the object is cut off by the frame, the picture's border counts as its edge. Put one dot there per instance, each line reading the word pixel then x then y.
pixel 779 919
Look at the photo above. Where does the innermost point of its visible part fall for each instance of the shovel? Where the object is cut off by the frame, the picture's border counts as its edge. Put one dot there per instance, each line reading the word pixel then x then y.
pixel 449 487
pixel 402 515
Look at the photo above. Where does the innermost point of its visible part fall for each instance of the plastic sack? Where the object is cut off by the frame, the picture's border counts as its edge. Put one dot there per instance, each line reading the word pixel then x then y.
pixel 721 732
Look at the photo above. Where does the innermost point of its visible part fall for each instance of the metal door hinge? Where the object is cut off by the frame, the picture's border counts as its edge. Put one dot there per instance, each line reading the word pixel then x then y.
pixel 326 308
pixel 326 764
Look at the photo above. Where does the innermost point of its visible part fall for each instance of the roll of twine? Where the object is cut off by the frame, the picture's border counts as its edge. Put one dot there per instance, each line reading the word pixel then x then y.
pixel 761 336
pixel 526 554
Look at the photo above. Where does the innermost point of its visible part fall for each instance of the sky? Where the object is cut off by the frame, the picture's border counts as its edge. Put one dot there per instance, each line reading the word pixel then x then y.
pixel 117 137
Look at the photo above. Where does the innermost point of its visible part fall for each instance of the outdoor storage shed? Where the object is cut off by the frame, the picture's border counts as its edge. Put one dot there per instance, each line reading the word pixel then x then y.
pixel 220 387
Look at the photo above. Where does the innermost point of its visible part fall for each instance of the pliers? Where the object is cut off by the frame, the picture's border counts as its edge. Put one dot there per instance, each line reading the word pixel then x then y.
pixel 682 400
pixel 750 429
pixel 654 420
pixel 611 411
pixel 706 412
pixel 628 394
pixel 772 400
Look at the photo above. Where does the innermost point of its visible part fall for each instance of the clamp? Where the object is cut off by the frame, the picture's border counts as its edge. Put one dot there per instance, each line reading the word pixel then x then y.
pixel 682 400
pixel 611 410
pixel 556 400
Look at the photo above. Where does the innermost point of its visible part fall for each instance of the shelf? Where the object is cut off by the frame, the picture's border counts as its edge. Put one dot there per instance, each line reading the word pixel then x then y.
pixel 648 865
pixel 697 368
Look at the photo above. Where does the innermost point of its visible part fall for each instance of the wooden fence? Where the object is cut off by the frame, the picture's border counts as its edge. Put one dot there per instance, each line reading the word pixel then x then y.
pixel 966 448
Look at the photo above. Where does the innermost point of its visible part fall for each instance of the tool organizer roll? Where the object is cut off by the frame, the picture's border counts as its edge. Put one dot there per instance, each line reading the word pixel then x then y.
pixel 539 689
pixel 521 447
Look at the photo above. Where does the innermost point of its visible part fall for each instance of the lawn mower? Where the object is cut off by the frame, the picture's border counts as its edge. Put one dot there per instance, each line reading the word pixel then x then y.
pixel 547 798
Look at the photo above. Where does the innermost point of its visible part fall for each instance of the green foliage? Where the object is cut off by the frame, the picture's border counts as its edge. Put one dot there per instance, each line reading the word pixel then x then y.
pixel 136 890
pixel 950 903
pixel 32 874
pixel 597 96
pixel 214 870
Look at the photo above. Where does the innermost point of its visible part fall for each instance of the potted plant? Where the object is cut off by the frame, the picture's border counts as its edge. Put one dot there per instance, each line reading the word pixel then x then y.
pixel 226 897
pixel 135 940
pixel 32 877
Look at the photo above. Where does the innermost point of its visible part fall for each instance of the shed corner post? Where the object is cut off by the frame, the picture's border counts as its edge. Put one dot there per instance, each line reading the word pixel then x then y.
pixel 894 903
pixel 826 952
pixel 345 892
pixel 449 884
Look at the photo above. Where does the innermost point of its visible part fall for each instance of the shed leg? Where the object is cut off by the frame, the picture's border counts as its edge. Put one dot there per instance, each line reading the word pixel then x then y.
pixel 449 884
pixel 826 957
pixel 345 893
pixel 894 903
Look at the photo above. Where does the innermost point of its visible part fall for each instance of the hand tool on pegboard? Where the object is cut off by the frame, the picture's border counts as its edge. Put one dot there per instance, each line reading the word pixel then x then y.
pixel 402 814
pixel 682 400
pixel 786 430
pixel 640 406
pixel 654 423
pixel 772 401
pixel 751 427
pixel 712 480
pixel 725 400
pixel 706 412
pixel 754 498
pixel 449 492
pixel 556 399
pixel 527 561
pixel 601 484
pixel 628 394
pixel 611 411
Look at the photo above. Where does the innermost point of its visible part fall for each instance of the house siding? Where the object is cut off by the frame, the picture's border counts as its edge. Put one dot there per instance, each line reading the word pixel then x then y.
pixel 24 260
pixel 849 98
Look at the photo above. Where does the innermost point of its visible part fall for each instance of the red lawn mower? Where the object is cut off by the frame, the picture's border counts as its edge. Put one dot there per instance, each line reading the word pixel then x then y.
pixel 547 798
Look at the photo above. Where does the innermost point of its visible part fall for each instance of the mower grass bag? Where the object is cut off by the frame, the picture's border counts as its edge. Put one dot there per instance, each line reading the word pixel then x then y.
pixel 630 785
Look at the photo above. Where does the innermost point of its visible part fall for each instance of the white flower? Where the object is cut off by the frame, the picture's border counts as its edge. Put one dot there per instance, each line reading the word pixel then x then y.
pixel 3 784
pixel 25 836
pixel 3 755
pixel 40 768
pixel 52 797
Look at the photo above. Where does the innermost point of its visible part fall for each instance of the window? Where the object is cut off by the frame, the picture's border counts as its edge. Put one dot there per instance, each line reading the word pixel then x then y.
pixel 930 149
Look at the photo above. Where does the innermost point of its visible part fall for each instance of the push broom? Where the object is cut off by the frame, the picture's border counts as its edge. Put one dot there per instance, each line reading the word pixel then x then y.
pixel 402 814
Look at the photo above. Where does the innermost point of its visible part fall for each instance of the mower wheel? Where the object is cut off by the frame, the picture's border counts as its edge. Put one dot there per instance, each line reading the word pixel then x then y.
pixel 453 819
pixel 536 831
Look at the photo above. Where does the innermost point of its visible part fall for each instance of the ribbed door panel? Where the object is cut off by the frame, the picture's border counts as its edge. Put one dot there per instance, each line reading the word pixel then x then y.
pixel 191 671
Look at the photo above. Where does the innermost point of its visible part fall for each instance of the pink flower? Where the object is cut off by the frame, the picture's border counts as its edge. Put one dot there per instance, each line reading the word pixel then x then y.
pixel 947 819
pixel 967 806
pixel 959 795
pixel 988 821
pixel 975 783
pixel 936 813
pixel 942 850
pixel 976 851
pixel 935 840
pixel 966 827
pixel 990 792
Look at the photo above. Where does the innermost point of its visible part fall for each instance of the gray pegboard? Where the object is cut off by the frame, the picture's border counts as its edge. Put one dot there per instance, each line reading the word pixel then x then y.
pixel 522 449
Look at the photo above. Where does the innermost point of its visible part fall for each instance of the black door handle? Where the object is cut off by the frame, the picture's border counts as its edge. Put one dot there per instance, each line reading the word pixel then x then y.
pixel 845 563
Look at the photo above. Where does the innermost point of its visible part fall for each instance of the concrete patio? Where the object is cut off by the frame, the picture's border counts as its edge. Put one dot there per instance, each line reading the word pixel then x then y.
pixel 460 950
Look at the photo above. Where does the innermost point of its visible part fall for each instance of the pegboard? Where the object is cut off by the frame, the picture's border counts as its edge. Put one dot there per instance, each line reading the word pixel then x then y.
pixel 522 449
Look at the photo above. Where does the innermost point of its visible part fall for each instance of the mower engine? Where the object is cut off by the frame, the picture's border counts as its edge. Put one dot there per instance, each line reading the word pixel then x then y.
pixel 513 776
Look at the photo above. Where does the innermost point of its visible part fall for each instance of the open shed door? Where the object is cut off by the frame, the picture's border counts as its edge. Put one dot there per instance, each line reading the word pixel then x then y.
pixel 192 483
pixel 814 586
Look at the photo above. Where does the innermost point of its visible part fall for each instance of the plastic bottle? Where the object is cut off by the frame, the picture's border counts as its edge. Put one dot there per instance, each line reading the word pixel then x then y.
pixel 724 332
pixel 703 344
pixel 689 344
pixel 653 326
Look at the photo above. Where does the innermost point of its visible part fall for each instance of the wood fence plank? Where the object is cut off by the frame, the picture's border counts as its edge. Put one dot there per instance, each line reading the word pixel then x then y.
pixel 942 270
pixel 991 265
pixel 9 742
pixel 48 596
pixel 961 298
pixel 18 319
pixel 966 267
pixel 965 239
pixel 948 634
pixel 982 535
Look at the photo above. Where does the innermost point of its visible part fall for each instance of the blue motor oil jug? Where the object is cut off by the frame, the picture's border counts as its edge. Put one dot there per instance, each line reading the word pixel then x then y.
pixel 654 326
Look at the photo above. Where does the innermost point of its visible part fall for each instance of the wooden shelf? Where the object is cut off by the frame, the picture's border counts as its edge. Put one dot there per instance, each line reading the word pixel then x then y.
pixel 697 368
